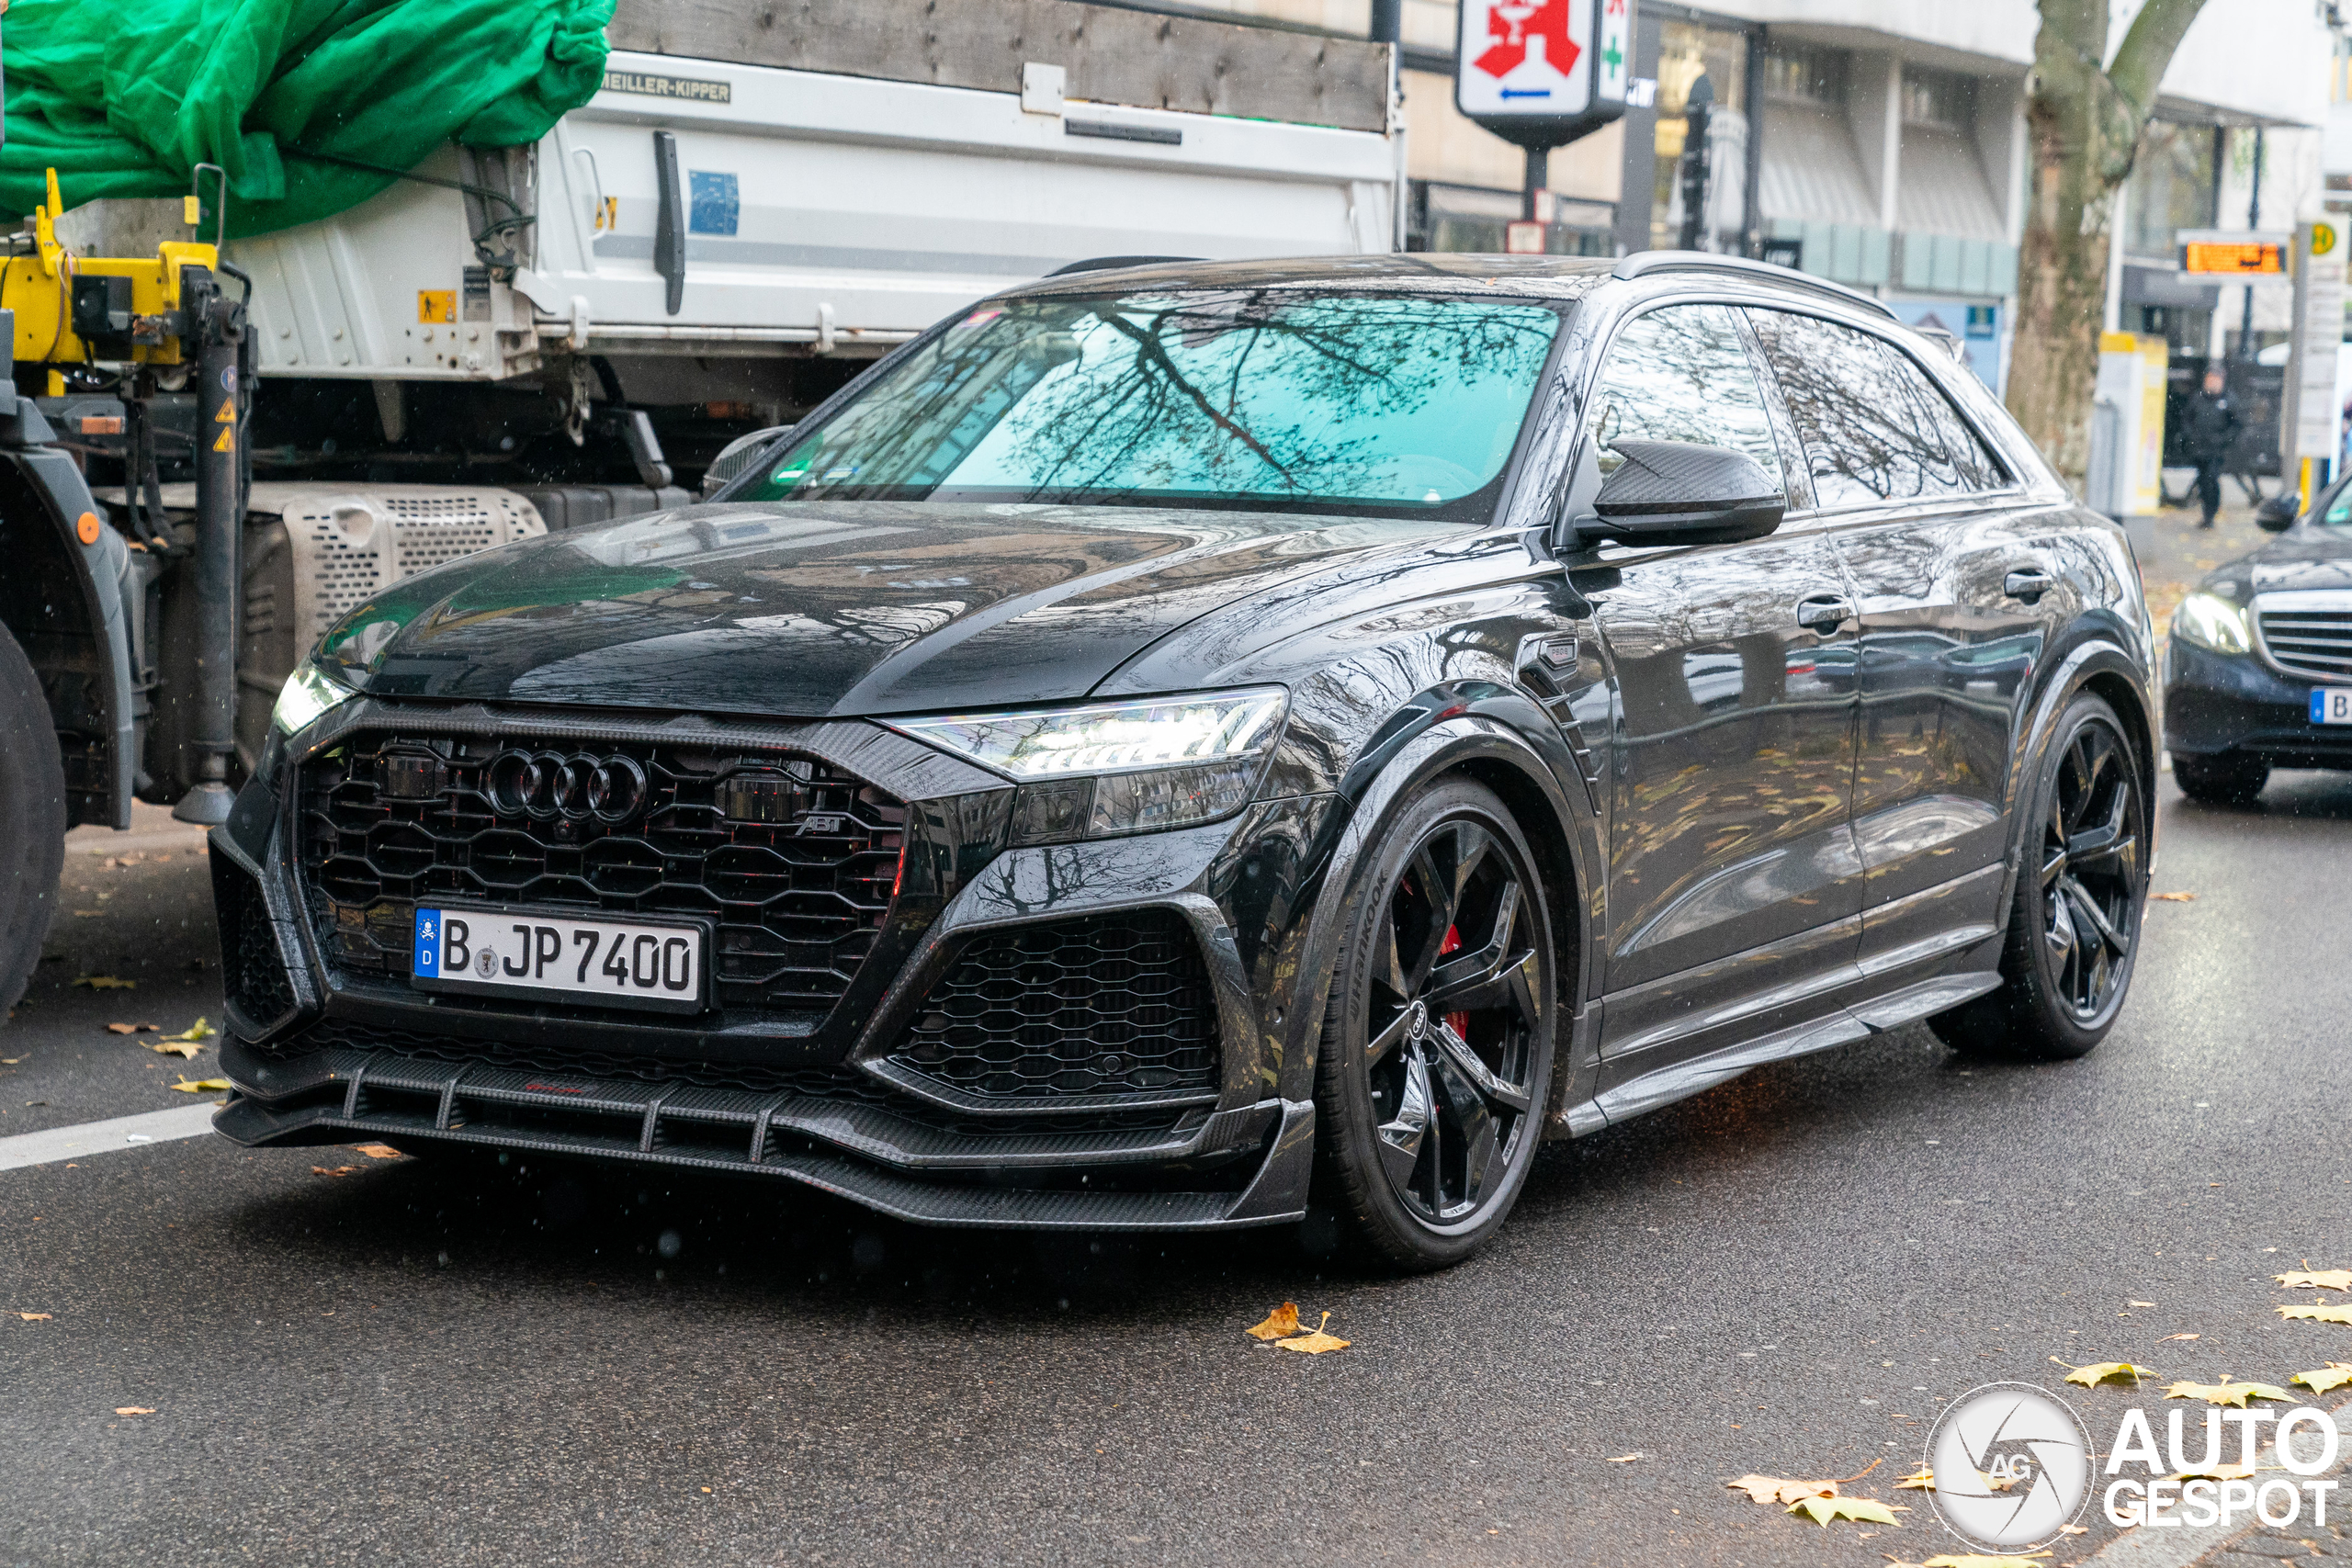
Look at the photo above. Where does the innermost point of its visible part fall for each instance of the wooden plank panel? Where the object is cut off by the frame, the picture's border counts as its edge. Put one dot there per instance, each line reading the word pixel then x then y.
pixel 1111 55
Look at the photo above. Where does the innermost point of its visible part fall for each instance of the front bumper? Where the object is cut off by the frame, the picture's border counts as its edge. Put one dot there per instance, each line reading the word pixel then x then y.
pixel 319 1056
pixel 2217 703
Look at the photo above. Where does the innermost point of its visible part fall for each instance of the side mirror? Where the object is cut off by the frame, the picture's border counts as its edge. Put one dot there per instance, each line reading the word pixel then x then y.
pixel 1682 492
pixel 740 454
pixel 2278 513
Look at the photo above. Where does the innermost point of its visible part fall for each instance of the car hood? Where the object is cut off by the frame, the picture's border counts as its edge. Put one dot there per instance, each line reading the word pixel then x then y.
pixel 2307 556
pixel 814 610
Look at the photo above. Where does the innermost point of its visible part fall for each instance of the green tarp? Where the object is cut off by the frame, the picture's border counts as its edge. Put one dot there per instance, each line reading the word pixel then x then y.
pixel 125 97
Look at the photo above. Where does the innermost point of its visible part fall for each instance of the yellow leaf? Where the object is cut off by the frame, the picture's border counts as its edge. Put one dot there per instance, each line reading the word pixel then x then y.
pixel 2108 1371
pixel 1627 1458
pixel 2319 1313
pixel 1824 1509
pixel 2138 1303
pixel 377 1151
pixel 2227 1393
pixel 201 1086
pixel 184 1048
pixel 2215 1472
pixel 1313 1344
pixel 132 1410
pixel 2173 897
pixel 132 1029
pixel 106 982
pixel 1280 1323
pixel 2323 1280
pixel 1920 1479
pixel 34 1317
pixel 338 1170
pixel 1775 1489
pixel 2336 1375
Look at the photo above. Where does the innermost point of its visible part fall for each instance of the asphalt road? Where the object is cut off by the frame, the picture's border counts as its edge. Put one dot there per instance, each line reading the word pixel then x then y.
pixel 410 1361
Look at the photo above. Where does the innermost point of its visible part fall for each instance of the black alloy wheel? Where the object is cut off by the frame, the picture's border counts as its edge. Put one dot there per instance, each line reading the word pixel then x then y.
pixel 2075 928
pixel 1437 1049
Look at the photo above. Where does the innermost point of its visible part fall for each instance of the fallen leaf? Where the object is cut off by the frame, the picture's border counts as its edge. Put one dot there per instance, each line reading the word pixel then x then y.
pixel 34 1317
pixel 132 1410
pixel 2336 1375
pixel 2323 1280
pixel 2138 1303
pixel 188 1049
pixel 2319 1313
pixel 1920 1479
pixel 200 1086
pixel 1779 1490
pixel 1824 1509
pixel 338 1170
pixel 1627 1458
pixel 2173 897
pixel 1280 1323
pixel 2227 1393
pixel 2073 1529
pixel 2177 1337
pixel 106 982
pixel 1313 1344
pixel 10 1061
pixel 133 1029
pixel 2214 1472
pixel 377 1151
pixel 2108 1371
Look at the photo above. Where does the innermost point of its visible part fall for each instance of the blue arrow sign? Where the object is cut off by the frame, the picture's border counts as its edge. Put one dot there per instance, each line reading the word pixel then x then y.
pixel 1527 92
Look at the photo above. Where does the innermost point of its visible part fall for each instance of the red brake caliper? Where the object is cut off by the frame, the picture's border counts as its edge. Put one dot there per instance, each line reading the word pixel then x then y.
pixel 1457 1022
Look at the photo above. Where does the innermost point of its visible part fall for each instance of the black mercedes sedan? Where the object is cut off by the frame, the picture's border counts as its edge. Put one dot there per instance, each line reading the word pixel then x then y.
pixel 1193 746
pixel 2258 668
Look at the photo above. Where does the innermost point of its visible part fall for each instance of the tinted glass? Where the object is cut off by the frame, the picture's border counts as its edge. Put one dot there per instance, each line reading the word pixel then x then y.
pixel 1682 374
pixel 1874 427
pixel 1248 398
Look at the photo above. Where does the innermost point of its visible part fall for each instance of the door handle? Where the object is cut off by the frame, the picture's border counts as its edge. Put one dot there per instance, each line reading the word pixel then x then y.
pixel 2028 584
pixel 1825 612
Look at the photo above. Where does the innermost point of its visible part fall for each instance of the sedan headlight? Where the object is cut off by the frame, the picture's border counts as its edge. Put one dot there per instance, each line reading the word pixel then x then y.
pixel 1111 769
pixel 2210 621
pixel 309 694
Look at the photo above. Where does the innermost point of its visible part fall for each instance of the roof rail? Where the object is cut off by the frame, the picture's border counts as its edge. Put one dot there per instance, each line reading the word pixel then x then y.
pixel 1643 264
pixel 1106 263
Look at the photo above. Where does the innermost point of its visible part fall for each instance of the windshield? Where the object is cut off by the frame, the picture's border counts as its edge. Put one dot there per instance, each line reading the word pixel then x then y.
pixel 1232 398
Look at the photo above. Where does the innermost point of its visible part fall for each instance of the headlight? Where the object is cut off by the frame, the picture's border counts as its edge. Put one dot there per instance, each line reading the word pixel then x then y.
pixel 2210 621
pixel 1116 768
pixel 308 692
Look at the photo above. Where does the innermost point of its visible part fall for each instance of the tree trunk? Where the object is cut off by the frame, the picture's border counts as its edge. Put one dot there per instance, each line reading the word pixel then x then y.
pixel 2082 126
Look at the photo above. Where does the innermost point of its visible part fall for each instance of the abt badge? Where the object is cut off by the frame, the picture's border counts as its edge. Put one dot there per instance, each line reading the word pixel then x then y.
pixel 2012 1464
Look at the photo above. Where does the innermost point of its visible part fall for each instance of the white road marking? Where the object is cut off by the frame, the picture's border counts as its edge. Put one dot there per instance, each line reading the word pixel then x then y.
pixel 103 1137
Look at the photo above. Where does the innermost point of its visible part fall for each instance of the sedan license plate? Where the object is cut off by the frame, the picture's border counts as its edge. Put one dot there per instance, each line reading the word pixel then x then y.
pixel 2332 705
pixel 520 952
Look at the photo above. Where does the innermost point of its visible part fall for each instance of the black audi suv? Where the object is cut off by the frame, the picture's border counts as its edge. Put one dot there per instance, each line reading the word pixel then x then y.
pixel 2258 668
pixel 1176 746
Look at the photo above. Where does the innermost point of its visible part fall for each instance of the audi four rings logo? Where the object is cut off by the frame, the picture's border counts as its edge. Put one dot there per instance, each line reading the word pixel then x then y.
pixel 549 785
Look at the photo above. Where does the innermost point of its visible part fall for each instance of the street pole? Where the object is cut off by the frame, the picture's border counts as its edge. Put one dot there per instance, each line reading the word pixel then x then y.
pixel 1537 182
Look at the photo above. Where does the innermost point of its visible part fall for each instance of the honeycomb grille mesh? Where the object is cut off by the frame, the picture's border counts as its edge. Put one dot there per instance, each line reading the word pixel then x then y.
pixel 256 977
pixel 1114 1004
pixel 794 904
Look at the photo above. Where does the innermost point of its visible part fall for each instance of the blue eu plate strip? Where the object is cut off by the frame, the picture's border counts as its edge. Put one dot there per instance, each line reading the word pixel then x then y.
pixel 428 943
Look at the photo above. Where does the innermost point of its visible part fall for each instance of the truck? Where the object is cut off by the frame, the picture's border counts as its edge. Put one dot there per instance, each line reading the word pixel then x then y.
pixel 212 449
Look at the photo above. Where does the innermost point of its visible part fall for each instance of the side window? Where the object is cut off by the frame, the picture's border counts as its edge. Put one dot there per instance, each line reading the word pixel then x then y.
pixel 1874 427
pixel 1682 374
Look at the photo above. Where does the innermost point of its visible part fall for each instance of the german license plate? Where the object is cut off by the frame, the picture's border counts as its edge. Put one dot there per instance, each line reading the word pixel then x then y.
pixel 2332 705
pixel 521 952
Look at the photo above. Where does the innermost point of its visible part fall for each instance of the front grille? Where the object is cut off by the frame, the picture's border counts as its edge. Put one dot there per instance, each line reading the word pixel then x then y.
pixel 388 821
pixel 1109 1004
pixel 2310 642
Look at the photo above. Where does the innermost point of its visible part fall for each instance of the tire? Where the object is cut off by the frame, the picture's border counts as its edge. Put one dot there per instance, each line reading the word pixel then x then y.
pixel 2073 931
pixel 2225 780
pixel 1429 1116
pixel 32 820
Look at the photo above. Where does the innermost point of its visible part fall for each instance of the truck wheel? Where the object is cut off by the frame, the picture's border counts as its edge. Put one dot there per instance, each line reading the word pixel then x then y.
pixel 32 820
